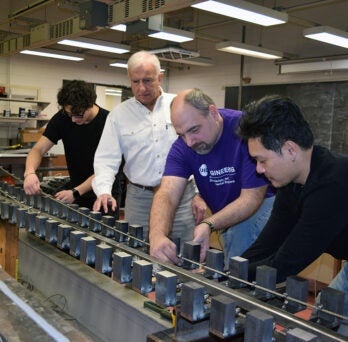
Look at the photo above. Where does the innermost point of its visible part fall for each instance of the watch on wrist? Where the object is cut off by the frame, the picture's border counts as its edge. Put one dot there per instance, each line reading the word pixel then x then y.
pixel 210 224
pixel 76 193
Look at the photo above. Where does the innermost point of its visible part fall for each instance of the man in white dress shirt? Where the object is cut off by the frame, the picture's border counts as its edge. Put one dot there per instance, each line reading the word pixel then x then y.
pixel 140 130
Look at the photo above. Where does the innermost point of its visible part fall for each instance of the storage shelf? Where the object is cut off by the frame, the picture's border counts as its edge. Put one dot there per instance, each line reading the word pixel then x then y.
pixel 21 120
pixel 40 103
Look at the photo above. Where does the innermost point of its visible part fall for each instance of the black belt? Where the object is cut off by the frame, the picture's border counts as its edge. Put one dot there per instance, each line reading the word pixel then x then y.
pixel 143 187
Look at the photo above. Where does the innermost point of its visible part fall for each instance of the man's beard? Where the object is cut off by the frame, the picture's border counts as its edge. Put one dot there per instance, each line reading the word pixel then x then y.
pixel 202 148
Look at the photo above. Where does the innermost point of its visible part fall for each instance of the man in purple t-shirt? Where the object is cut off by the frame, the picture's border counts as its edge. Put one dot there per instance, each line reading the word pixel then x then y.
pixel 209 148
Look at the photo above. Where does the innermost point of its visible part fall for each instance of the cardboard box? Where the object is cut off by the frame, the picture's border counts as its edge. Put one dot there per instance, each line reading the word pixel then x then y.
pixel 30 135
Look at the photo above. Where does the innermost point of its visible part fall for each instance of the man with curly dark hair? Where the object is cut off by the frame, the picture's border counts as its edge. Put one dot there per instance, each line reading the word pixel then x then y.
pixel 79 124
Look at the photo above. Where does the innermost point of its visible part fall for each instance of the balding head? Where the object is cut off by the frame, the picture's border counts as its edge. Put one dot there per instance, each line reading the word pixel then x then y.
pixel 196 119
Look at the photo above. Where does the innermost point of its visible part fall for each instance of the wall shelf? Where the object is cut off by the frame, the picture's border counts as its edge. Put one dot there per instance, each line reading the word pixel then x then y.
pixel 14 118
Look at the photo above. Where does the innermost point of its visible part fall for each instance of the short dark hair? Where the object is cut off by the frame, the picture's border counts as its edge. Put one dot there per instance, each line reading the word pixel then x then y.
pixel 275 119
pixel 80 95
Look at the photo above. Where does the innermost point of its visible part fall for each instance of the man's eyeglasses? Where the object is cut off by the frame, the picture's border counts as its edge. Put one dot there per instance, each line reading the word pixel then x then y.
pixel 76 115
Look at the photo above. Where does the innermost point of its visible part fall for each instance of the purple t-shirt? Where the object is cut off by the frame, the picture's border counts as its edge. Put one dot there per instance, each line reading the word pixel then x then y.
pixel 223 172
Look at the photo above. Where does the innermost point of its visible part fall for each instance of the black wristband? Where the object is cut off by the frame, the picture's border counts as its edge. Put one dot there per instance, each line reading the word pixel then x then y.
pixel 211 226
pixel 75 193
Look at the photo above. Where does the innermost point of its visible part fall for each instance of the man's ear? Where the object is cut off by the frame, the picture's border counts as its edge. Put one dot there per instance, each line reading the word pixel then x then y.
pixel 160 77
pixel 214 112
pixel 291 148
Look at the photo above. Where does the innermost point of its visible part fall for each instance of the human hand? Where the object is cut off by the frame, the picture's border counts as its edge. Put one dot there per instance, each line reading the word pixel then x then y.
pixel 201 235
pixel 164 249
pixel 104 202
pixel 31 184
pixel 199 208
pixel 65 196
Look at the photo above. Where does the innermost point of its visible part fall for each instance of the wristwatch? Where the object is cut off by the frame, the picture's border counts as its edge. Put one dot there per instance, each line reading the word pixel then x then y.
pixel 75 193
pixel 210 224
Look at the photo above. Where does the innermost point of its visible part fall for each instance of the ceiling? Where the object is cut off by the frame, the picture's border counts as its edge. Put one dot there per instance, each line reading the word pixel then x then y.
pixel 51 20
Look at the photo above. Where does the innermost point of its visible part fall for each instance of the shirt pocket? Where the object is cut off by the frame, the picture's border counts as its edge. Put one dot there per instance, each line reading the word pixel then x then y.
pixel 135 137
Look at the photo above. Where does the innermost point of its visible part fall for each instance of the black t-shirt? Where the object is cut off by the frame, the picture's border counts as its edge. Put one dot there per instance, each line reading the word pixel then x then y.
pixel 307 220
pixel 80 143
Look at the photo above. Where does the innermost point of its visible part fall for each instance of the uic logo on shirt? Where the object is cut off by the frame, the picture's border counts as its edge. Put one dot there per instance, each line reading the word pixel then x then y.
pixel 203 170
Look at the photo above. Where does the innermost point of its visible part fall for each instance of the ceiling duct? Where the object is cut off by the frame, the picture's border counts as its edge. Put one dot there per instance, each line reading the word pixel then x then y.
pixel 173 53
pixel 179 55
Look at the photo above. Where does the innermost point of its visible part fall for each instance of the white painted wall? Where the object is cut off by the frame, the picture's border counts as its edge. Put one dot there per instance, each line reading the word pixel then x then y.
pixel 47 75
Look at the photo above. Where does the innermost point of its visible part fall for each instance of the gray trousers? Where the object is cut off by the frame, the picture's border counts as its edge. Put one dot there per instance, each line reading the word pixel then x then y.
pixel 138 205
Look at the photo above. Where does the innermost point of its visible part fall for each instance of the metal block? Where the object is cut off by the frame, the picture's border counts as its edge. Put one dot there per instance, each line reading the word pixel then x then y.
pixel 121 269
pixel 88 247
pixel 63 210
pixel 238 268
pixel 214 261
pixel 266 277
pixel 10 189
pixel 30 200
pixel 5 210
pixel 21 197
pixel 108 222
pixel 191 251
pixel 297 288
pixel 95 221
pixel 192 301
pixel 17 192
pixel 121 227
pixel 72 215
pixel 63 241
pixel 20 217
pixel 51 231
pixel 40 222
pixel 258 326
pixel 142 276
pixel 222 316
pixel 54 206
pixel 136 235
pixel 12 217
pixel 103 258
pixel 38 202
pixel 46 201
pixel 299 335
pixel 75 242
pixel 331 300
pixel 83 217
pixel 165 288
pixel 30 221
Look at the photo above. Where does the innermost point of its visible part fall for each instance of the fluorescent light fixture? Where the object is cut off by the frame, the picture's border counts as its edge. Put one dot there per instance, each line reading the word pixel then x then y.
pixel 119 27
pixel 248 50
pixel 95 44
pixel 119 65
pixel 244 10
pixel 54 54
pixel 113 92
pixel 312 66
pixel 328 35
pixel 173 34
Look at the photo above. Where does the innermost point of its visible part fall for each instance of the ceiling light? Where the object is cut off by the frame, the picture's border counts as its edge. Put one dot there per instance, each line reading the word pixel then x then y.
pixel 243 10
pixel 119 65
pixel 119 27
pixel 328 35
pixel 312 64
pixel 54 54
pixel 173 34
pixel 248 50
pixel 95 44
pixel 113 92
